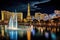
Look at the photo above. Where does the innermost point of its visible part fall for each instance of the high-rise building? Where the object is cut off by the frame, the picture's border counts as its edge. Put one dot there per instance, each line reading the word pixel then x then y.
pixel 42 16
pixel 57 12
pixel 28 13
pixel 37 15
pixel 6 16
pixel 20 16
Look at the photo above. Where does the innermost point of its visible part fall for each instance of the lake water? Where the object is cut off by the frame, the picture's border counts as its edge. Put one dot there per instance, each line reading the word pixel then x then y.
pixel 35 35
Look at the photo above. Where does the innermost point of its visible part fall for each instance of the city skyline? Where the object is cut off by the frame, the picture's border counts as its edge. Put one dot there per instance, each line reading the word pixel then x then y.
pixel 43 6
pixel 29 20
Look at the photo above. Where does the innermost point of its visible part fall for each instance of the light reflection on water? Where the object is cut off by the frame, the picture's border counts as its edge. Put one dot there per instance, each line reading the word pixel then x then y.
pixel 14 34
pixel 33 32
pixel 53 35
pixel 46 34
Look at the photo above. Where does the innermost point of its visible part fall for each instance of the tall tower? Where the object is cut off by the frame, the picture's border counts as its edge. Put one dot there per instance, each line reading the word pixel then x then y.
pixel 28 10
pixel 28 13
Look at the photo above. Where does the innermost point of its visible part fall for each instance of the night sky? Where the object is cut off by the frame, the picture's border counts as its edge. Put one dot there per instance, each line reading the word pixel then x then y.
pixel 44 6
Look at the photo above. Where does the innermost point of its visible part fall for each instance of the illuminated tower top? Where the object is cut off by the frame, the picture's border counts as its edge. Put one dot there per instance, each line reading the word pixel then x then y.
pixel 28 10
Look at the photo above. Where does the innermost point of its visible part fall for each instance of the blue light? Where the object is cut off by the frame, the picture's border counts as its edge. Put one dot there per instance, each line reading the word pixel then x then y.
pixel 13 35
pixel 53 36
pixel 33 32
pixel 46 34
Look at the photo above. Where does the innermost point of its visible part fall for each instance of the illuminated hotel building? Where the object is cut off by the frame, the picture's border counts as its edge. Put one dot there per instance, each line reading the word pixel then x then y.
pixel 42 16
pixel 57 12
pixel 20 16
pixel 37 16
pixel 6 16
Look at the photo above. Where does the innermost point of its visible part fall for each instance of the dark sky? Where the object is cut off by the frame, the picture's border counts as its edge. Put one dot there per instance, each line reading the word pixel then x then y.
pixel 44 6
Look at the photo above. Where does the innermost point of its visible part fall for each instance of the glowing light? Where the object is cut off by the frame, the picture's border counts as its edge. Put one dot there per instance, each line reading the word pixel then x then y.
pixel 28 35
pixel 57 29
pixel 46 34
pixel 33 32
pixel 13 35
pixel 16 35
pixel 53 36
pixel 2 31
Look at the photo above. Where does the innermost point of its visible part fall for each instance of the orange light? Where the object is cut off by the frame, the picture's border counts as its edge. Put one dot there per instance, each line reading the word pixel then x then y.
pixel 28 35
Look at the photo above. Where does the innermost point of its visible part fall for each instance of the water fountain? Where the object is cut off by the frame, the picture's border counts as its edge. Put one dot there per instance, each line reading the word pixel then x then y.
pixel 13 27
